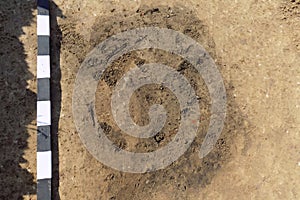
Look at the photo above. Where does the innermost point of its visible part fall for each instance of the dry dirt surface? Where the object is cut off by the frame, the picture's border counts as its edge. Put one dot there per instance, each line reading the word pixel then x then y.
pixel 256 47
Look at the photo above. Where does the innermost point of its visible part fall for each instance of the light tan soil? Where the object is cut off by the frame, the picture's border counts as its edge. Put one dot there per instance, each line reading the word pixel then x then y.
pixel 256 46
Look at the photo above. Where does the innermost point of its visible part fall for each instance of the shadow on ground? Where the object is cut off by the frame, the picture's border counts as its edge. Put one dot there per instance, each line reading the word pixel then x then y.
pixel 56 37
pixel 17 103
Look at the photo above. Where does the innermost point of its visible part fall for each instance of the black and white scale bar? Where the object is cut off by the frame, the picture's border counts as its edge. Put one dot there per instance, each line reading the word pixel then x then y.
pixel 44 155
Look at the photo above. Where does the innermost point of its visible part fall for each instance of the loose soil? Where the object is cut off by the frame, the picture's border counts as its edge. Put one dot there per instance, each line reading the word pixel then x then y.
pixel 256 47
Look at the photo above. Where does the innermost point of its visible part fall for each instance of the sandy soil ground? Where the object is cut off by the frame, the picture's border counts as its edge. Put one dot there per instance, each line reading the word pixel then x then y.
pixel 256 46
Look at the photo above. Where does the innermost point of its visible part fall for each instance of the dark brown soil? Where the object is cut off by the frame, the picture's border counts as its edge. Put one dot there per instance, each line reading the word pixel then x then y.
pixel 256 46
